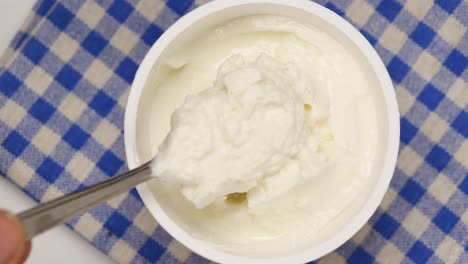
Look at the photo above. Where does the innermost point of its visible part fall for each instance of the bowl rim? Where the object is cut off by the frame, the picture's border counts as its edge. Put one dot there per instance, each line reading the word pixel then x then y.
pixel 389 158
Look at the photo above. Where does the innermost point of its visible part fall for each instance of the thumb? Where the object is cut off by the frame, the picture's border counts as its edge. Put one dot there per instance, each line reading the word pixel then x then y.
pixel 13 247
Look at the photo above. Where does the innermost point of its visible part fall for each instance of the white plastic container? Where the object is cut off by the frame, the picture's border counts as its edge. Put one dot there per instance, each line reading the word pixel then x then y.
pixel 215 13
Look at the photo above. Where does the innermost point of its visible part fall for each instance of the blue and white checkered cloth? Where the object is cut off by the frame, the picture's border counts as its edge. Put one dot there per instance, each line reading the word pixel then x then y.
pixel 65 78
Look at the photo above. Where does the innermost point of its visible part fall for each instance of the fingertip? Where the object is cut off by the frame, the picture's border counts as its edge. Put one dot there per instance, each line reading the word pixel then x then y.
pixel 12 241
pixel 22 253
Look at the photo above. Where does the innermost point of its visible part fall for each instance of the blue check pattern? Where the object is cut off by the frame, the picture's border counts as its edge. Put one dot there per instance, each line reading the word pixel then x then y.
pixel 65 78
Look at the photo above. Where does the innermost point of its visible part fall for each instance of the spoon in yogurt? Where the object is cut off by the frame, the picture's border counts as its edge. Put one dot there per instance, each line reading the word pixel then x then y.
pixel 55 212
pixel 255 98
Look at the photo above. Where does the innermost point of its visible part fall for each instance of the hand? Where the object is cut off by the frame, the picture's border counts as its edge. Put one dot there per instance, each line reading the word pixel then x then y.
pixel 14 248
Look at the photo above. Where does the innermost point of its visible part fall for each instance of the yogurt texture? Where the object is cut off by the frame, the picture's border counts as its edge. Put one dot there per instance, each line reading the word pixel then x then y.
pixel 275 111
pixel 254 131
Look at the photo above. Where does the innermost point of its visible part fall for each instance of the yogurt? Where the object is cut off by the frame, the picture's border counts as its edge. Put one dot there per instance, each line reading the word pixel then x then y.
pixel 270 109
pixel 254 131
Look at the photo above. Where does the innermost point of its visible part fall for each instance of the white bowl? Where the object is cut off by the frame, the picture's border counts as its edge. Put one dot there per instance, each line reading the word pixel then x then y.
pixel 216 13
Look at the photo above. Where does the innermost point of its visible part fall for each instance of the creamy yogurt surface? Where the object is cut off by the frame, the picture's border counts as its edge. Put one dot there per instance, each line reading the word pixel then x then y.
pixel 253 132
pixel 275 111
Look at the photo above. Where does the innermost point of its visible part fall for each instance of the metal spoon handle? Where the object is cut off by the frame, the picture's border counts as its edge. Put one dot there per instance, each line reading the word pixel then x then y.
pixel 50 214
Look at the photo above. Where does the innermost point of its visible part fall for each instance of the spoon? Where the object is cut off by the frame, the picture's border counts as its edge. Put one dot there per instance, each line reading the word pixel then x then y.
pixel 55 212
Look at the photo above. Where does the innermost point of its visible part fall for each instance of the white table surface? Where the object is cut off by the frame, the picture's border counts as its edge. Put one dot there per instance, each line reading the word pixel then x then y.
pixel 59 245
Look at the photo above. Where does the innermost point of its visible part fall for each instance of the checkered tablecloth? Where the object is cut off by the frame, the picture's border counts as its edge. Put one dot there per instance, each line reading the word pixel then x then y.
pixel 65 78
